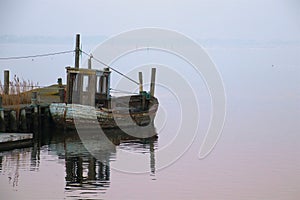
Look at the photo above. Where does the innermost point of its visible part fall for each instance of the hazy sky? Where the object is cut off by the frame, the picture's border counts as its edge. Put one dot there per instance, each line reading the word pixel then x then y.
pixel 42 26
pixel 244 19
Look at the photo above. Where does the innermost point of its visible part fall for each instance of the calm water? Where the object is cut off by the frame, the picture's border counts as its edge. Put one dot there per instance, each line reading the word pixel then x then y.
pixel 59 166
pixel 257 156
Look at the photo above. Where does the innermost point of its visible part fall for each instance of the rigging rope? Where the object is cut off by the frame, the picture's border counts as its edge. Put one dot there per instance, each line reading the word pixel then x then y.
pixel 65 52
pixel 122 91
pixel 35 56
pixel 99 61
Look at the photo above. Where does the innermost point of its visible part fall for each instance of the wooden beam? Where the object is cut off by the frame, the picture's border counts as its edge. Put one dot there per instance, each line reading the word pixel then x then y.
pixel 141 82
pixel 152 85
pixel 77 51
pixel 90 62
pixel 6 81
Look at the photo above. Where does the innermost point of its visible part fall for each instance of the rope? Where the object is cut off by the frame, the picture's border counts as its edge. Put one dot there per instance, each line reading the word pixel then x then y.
pixel 122 91
pixel 99 61
pixel 35 56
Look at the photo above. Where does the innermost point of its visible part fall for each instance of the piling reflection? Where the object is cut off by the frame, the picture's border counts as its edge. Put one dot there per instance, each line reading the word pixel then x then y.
pixel 0 163
pixel 88 158
pixel 87 174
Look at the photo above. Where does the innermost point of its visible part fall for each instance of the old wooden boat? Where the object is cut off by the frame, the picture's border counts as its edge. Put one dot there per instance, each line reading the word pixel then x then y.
pixel 88 102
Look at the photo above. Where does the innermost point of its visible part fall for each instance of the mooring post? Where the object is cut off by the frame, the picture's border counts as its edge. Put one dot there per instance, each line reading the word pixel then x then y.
pixel 61 91
pixel 152 85
pixel 61 95
pixel 90 62
pixel 141 82
pixel 141 90
pixel 59 82
pixel 34 98
pixel 35 118
pixel 23 120
pixel 77 51
pixel 13 121
pixel 2 120
pixel 46 118
pixel 35 114
pixel 6 81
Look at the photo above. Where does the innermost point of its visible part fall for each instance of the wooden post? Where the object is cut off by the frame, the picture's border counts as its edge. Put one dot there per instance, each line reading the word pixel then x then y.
pixel 35 114
pixel 61 92
pixel 90 62
pixel 34 98
pixel 13 121
pixel 141 81
pixel 141 90
pixel 35 118
pixel 2 120
pixel 46 119
pixel 59 82
pixel 23 121
pixel 70 82
pixel 6 81
pixel 152 85
pixel 77 51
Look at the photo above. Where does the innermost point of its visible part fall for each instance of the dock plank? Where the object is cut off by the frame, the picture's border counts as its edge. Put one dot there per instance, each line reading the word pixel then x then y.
pixel 10 141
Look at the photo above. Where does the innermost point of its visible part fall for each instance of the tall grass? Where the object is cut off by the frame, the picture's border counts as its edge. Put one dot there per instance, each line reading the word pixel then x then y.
pixel 19 92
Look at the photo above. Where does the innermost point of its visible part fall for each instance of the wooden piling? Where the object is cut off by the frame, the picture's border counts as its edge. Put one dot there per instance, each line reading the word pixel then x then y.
pixel 2 121
pixel 69 89
pixel 13 121
pixel 141 82
pixel 23 120
pixel 152 85
pixel 34 97
pixel 77 51
pixel 6 82
pixel 143 102
pixel 46 118
pixel 59 82
pixel 35 119
pixel 61 92
pixel 90 62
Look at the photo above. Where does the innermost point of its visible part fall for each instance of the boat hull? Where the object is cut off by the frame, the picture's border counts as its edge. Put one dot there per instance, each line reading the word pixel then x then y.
pixel 73 116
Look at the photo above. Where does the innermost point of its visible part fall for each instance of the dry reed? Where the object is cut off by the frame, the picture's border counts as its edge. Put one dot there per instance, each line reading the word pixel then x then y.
pixel 19 93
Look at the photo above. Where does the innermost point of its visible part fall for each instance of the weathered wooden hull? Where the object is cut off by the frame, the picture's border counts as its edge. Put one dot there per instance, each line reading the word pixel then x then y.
pixel 73 116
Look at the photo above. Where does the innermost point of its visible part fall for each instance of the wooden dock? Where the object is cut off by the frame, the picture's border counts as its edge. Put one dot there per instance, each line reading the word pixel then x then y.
pixel 30 117
pixel 10 141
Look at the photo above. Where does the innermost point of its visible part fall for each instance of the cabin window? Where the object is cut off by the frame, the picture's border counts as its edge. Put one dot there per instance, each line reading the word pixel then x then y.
pixel 85 83
pixel 75 81
pixel 104 84
pixel 98 84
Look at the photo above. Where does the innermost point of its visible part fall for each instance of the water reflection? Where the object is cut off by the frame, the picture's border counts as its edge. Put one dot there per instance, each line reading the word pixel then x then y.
pixel 87 175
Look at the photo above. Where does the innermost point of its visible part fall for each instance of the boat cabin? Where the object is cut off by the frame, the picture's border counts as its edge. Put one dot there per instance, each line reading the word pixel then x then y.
pixel 88 86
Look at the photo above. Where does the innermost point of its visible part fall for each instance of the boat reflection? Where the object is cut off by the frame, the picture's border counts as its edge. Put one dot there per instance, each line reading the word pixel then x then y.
pixel 88 157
